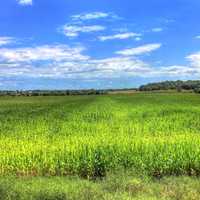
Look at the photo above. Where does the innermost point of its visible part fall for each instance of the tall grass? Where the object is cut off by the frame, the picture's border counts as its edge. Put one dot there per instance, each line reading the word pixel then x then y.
pixel 89 136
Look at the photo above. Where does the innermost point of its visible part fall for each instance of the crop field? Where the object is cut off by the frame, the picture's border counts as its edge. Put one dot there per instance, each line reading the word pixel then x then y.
pixel 90 136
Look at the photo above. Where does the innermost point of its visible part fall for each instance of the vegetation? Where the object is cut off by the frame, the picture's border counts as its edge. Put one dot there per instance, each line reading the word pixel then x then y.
pixel 173 85
pixel 124 146
pixel 51 92
pixel 30 93
pixel 89 136
pixel 120 186
pixel 179 86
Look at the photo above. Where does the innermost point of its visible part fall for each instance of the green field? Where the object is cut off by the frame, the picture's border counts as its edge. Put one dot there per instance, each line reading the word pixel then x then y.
pixel 155 135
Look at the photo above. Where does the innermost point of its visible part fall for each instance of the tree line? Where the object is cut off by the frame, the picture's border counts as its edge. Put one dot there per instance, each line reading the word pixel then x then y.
pixel 60 92
pixel 51 92
pixel 191 85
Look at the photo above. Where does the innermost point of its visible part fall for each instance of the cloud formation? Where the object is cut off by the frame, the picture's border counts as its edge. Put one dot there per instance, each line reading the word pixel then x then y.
pixel 120 36
pixel 177 70
pixel 72 62
pixel 41 53
pixel 25 2
pixel 6 40
pixel 139 50
pixel 90 16
pixel 61 61
pixel 87 23
pixel 194 59
pixel 75 30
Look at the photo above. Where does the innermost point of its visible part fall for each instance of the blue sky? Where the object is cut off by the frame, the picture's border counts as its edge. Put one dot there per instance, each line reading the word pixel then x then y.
pixel 77 44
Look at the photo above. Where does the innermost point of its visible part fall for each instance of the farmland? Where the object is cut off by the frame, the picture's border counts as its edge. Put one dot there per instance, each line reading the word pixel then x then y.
pixel 156 135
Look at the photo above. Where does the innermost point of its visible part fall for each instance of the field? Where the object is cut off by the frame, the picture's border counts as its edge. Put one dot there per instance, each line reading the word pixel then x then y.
pixel 155 135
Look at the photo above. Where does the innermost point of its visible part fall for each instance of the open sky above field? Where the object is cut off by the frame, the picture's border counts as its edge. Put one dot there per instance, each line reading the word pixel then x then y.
pixel 65 44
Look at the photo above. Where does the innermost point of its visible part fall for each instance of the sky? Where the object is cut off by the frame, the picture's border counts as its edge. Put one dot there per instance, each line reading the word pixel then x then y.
pixel 83 44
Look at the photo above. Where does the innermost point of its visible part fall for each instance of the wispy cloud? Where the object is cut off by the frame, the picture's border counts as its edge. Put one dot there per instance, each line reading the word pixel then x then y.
pixel 192 69
pixel 176 70
pixel 139 50
pixel 138 38
pixel 102 68
pixel 194 59
pixel 90 16
pixel 25 2
pixel 42 53
pixel 157 29
pixel 120 36
pixel 121 64
pixel 75 30
pixel 61 61
pixel 6 40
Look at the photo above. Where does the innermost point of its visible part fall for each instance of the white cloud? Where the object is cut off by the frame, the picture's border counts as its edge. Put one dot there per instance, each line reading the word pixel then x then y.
pixel 25 2
pixel 138 38
pixel 89 16
pixel 101 68
pixel 140 50
pixel 177 70
pixel 120 64
pixel 61 61
pixel 114 67
pixel 75 30
pixel 192 69
pixel 194 59
pixel 6 40
pixel 46 52
pixel 158 29
pixel 120 36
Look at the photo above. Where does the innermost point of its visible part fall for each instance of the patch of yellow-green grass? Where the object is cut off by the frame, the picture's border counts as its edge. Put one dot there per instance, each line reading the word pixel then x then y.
pixel 90 136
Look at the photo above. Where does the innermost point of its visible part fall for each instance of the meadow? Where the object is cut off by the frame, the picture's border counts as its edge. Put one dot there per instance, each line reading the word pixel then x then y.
pixel 90 136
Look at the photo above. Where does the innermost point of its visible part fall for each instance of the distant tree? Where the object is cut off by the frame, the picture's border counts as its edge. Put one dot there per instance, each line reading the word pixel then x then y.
pixel 197 90
pixel 172 85
pixel 179 88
